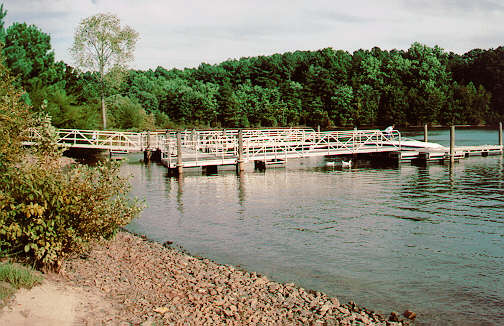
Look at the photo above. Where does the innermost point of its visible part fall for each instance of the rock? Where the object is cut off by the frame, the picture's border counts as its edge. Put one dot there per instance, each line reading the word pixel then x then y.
pixel 324 309
pixel 394 317
pixel 409 314
pixel 169 287
pixel 335 302
pixel 167 244
pixel 161 310
pixel 149 322
pixel 343 310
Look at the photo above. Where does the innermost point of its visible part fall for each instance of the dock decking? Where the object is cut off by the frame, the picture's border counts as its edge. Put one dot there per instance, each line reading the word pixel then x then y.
pixel 200 148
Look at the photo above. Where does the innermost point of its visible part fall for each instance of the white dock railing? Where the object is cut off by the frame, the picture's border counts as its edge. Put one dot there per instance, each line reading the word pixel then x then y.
pixel 219 148
pixel 203 147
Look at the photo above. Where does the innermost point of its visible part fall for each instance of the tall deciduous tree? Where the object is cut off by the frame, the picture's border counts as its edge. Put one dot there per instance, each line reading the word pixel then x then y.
pixel 101 44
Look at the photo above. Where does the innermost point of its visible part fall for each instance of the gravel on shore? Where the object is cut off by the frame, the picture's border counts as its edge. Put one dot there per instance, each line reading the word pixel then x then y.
pixel 148 284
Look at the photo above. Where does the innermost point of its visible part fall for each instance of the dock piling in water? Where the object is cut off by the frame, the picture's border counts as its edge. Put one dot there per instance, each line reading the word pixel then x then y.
pixel 240 166
pixel 452 143
pixel 180 166
pixel 500 134
pixel 425 133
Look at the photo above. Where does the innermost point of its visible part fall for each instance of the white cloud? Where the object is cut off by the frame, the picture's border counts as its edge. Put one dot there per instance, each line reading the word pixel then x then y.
pixel 186 33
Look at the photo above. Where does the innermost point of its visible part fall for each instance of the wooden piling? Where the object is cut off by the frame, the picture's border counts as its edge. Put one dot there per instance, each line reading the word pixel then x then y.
pixel 147 156
pixel 500 133
pixel 425 133
pixel 452 143
pixel 240 166
pixel 180 167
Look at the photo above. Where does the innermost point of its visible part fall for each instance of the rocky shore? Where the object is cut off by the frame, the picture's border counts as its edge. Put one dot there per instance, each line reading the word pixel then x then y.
pixel 145 283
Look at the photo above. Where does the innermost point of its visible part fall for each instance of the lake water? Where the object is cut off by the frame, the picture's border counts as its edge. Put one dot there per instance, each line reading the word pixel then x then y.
pixel 426 238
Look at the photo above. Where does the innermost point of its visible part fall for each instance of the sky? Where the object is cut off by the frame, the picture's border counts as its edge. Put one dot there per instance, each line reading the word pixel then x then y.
pixel 185 33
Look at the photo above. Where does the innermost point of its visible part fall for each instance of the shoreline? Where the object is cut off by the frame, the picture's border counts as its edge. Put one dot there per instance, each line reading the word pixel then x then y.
pixel 146 282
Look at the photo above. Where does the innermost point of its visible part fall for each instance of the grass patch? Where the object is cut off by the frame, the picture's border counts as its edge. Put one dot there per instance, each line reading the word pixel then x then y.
pixel 14 276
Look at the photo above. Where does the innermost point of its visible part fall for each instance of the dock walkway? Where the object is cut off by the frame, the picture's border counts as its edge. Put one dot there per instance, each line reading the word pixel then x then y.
pixel 200 148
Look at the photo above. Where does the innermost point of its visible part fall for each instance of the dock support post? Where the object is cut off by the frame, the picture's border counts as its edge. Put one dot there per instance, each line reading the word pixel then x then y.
pixel 180 167
pixel 500 135
pixel 240 166
pixel 452 143
pixel 148 140
pixel 147 156
pixel 425 133
pixel 193 139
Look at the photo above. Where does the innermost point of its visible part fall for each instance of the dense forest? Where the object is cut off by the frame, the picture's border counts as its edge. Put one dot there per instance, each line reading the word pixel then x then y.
pixel 327 87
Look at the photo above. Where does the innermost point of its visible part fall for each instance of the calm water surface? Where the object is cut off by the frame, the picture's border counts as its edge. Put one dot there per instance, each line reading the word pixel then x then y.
pixel 426 238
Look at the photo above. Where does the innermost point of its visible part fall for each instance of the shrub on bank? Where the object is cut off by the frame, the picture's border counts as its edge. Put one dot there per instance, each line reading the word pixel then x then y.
pixel 48 211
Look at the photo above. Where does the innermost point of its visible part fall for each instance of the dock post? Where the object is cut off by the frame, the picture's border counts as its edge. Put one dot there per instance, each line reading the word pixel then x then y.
pixel 425 133
pixel 452 143
pixel 193 139
pixel 180 167
pixel 500 135
pixel 147 156
pixel 240 166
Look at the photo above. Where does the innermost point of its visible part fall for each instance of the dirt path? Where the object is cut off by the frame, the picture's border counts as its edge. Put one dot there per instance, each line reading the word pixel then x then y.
pixel 55 302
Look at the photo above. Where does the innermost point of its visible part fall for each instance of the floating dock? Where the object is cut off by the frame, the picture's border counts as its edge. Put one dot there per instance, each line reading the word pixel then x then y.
pixel 265 147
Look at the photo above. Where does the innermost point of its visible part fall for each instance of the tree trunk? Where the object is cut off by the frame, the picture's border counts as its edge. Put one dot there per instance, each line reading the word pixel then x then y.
pixel 104 112
pixel 103 108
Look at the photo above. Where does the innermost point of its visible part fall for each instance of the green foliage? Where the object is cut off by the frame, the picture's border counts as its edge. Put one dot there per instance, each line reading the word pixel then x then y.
pixel 326 87
pixel 14 276
pixel 485 68
pixel 29 56
pixel 64 110
pixel 3 13
pixel 123 113
pixel 19 276
pixel 47 215
pixel 47 211
pixel 14 120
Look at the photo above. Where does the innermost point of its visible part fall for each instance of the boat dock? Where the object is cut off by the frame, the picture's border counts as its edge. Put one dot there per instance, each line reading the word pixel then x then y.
pixel 264 147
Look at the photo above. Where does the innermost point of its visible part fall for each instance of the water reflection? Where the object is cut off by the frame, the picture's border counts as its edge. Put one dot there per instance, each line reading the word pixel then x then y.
pixel 241 190
pixel 180 202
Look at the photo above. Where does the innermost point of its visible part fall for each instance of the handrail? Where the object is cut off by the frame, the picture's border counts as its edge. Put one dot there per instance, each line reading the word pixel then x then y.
pixel 223 144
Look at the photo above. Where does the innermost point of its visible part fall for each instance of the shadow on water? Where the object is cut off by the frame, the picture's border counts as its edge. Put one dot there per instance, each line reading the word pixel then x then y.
pixel 87 156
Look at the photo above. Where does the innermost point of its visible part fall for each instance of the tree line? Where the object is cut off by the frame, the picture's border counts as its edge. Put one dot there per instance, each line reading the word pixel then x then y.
pixel 327 87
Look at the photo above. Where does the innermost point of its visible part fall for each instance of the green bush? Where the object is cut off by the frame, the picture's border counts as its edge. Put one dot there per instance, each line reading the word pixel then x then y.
pixel 47 213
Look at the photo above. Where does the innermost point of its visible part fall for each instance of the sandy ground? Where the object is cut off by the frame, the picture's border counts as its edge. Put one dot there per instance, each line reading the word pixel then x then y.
pixel 54 302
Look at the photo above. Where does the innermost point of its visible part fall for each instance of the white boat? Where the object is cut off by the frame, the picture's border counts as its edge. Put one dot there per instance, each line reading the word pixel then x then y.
pixel 413 144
